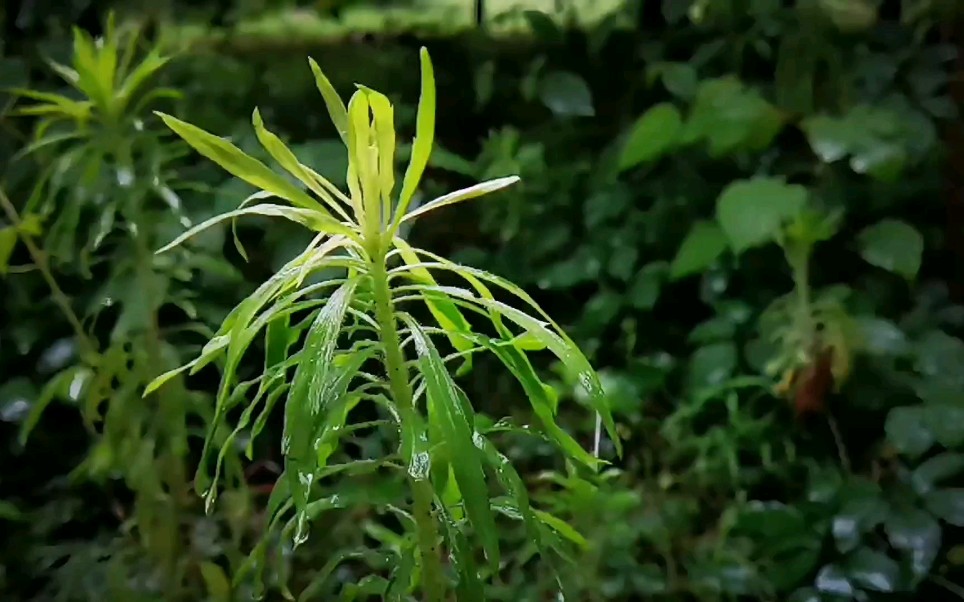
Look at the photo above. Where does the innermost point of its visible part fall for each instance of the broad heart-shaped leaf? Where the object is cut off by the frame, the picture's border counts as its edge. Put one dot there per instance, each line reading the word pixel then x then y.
pixel 704 243
pixel 334 103
pixel 456 425
pixel 566 94
pixel 424 136
pixel 239 164
pixel 654 133
pixel 317 384
pixel 893 245
pixel 464 194
pixel 752 212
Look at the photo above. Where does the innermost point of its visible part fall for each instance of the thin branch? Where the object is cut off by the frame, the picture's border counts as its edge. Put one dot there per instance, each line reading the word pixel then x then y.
pixel 40 261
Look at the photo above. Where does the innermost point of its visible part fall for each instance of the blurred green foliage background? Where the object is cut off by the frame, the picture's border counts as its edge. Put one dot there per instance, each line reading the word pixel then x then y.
pixel 749 212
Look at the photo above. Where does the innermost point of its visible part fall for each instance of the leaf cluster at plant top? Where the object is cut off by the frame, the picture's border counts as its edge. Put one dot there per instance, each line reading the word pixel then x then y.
pixel 746 233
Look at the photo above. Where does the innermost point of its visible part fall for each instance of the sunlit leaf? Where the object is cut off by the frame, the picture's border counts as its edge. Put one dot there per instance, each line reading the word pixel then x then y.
pixel 465 194
pixel 424 136
pixel 333 102
pixel 239 164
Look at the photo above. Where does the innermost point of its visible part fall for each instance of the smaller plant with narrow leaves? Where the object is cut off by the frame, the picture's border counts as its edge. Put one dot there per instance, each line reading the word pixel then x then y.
pixel 365 349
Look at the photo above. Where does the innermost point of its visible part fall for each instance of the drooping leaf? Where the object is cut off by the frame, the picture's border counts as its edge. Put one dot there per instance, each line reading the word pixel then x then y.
pixel 446 313
pixel 457 427
pixel 287 159
pixel 316 385
pixel 546 331
pixel 537 393
pixel 313 219
pixel 333 102
pixel 465 194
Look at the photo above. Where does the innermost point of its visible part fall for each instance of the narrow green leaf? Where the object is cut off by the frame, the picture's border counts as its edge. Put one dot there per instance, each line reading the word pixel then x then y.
pixel 8 240
pixel 287 159
pixel 457 426
pixel 238 163
pixel 424 136
pixel 334 103
pixel 313 389
pixel 465 194
pixel 218 587
pixel 469 587
pixel 546 331
pixel 446 313
pixel 537 393
pixel 361 162
pixel 563 528
pixel 313 219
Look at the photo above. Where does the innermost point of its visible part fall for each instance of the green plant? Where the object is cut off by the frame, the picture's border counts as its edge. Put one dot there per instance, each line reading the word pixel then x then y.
pixel 363 343
pixel 105 196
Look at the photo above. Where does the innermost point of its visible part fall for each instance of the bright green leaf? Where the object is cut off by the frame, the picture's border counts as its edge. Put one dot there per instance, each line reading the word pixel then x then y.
pixel 893 245
pixel 457 427
pixel 654 133
pixel 239 164
pixel 752 212
pixel 424 136
pixel 700 249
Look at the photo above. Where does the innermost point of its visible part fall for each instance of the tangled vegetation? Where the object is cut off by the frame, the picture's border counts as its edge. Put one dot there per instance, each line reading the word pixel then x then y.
pixel 745 215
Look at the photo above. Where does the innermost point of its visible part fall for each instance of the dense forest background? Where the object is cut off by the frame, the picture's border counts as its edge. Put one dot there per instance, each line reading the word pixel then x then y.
pixel 749 213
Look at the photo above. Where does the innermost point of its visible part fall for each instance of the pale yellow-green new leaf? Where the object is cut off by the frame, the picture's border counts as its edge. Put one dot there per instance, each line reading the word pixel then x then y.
pixel 465 194
pixel 334 103
pixel 239 164
pixel 424 136
pixel 289 161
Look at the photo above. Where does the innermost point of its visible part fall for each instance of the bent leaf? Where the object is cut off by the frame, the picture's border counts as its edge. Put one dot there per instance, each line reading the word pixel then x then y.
pixel 317 384
pixel 314 219
pixel 333 102
pixel 457 428
pixel 462 195
pixel 238 163
pixel 424 136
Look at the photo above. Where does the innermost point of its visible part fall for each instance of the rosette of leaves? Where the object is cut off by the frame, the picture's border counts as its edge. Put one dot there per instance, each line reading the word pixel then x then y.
pixel 363 342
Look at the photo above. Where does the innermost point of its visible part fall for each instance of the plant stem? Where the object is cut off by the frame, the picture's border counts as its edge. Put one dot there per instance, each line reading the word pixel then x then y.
pixel 401 388
pixel 88 349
